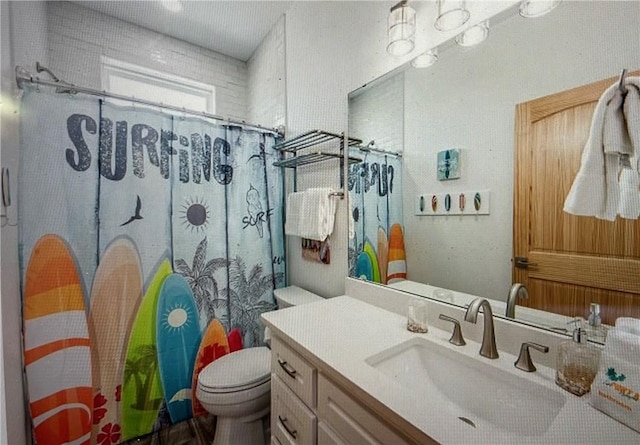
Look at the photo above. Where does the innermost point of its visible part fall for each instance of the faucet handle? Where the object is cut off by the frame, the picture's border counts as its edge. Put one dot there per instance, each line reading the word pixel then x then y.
pixel 524 362
pixel 456 336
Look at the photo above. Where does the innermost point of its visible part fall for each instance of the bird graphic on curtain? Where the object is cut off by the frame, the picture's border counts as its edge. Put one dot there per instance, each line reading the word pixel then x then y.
pixel 136 215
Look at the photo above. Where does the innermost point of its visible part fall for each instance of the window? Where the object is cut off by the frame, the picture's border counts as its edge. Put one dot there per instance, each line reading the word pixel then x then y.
pixel 143 83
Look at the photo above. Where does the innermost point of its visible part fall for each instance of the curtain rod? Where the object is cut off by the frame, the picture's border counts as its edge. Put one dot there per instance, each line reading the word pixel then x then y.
pixel 22 76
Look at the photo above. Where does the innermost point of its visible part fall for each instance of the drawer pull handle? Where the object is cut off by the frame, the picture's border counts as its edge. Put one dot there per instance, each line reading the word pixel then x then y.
pixel 287 368
pixel 283 421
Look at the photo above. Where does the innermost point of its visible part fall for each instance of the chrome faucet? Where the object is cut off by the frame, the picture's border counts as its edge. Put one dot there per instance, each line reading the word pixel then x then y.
pixel 488 348
pixel 517 290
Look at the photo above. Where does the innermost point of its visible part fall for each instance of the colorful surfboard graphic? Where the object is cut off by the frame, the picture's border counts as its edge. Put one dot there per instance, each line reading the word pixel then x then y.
pixel 141 387
pixel 364 268
pixel 178 338
pixel 57 348
pixel 115 296
pixel 383 250
pixel 375 269
pixel 397 267
pixel 235 340
pixel 213 346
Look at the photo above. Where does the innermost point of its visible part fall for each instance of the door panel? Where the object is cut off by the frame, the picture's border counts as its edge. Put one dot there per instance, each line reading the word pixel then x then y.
pixel 574 260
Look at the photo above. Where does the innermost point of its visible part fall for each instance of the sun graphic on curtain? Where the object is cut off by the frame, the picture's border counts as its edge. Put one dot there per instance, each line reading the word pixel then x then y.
pixel 195 214
pixel 176 318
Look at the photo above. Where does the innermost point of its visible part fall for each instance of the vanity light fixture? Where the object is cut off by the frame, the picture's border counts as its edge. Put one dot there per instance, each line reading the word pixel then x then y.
pixel 172 5
pixel 537 8
pixel 425 59
pixel 473 35
pixel 401 29
pixel 452 14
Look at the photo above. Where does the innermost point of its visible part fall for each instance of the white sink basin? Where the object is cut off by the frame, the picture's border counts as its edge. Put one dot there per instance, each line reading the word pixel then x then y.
pixel 479 394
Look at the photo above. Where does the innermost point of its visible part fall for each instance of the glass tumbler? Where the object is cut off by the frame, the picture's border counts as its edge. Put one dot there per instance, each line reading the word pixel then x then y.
pixel 417 316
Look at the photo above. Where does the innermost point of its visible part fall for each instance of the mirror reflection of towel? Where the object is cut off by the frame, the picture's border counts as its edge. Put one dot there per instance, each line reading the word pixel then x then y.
pixel 607 182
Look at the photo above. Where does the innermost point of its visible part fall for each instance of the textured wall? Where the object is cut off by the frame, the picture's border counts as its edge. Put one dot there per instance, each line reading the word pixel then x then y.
pixel 377 113
pixel 79 36
pixel 266 79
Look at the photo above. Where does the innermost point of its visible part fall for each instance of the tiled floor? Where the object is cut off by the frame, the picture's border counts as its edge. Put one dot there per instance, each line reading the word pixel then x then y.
pixel 196 431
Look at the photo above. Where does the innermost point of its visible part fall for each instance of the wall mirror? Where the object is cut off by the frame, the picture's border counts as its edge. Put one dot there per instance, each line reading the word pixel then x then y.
pixel 466 107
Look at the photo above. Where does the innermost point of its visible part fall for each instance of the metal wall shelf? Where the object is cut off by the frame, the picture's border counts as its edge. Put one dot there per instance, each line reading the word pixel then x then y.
pixel 311 138
pixel 316 138
pixel 312 158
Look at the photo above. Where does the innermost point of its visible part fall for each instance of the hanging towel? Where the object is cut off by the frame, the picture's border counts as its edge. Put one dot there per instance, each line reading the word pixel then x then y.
pixel 630 177
pixel 606 184
pixel 293 212
pixel 311 214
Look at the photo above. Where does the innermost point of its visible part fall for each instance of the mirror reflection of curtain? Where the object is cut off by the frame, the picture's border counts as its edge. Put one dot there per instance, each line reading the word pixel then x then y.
pixel 376 245
pixel 138 229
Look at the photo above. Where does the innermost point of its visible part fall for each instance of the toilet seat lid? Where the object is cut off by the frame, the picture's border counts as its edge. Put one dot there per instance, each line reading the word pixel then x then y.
pixel 241 369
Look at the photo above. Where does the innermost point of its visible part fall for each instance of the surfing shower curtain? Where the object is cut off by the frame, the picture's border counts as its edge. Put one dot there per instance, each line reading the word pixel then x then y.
pixel 146 238
pixel 376 243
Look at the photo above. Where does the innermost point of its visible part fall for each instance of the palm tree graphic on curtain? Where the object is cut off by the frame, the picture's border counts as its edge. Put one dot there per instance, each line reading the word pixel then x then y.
pixel 243 298
pixel 203 284
pixel 142 369
pixel 244 295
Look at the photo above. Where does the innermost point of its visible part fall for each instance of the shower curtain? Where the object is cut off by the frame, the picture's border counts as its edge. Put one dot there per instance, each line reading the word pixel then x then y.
pixel 149 242
pixel 376 235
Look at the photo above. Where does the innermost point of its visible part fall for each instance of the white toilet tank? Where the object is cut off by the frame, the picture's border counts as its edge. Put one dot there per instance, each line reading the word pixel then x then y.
pixel 294 296
pixel 287 297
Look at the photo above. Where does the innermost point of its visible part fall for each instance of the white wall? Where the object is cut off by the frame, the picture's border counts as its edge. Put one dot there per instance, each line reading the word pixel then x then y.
pixel 24 41
pixel 266 80
pixel 328 55
pixel 78 36
pixel 377 114
pixel 467 100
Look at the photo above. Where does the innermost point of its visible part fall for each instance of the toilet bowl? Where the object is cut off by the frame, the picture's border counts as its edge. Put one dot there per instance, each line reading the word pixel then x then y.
pixel 237 389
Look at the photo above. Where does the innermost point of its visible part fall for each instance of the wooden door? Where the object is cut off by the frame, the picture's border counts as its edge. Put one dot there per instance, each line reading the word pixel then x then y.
pixel 574 260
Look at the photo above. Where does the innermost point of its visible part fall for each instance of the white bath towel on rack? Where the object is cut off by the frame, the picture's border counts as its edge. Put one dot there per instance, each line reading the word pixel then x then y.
pixel 311 213
pixel 606 184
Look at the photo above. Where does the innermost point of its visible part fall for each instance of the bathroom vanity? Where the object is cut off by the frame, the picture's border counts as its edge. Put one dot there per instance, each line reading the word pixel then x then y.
pixel 346 371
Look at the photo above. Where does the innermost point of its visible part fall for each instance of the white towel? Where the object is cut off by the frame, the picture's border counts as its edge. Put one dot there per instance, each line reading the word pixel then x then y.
pixel 629 206
pixel 628 324
pixel 293 212
pixel 311 214
pixel 612 144
pixel 616 389
pixel 623 345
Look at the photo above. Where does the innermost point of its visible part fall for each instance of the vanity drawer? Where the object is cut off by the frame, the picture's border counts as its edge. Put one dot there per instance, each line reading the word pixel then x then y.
pixel 294 371
pixel 326 435
pixel 292 423
pixel 351 422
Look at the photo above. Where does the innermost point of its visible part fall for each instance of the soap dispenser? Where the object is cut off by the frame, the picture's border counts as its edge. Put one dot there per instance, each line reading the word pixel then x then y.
pixel 595 319
pixel 577 364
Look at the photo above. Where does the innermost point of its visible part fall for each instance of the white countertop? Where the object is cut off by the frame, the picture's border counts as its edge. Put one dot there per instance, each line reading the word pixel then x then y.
pixel 338 334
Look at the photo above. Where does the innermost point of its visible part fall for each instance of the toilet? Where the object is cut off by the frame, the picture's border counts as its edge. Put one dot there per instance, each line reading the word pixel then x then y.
pixel 237 387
